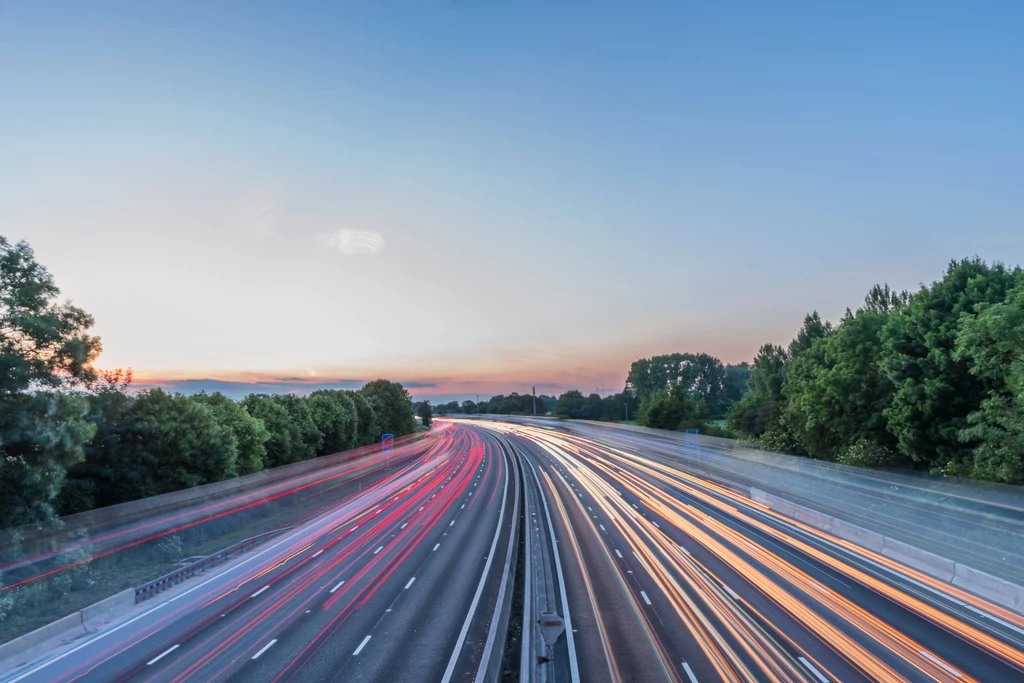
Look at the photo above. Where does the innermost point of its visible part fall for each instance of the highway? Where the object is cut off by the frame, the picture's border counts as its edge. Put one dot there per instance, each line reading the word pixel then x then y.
pixel 659 574
pixel 674 578
pixel 397 584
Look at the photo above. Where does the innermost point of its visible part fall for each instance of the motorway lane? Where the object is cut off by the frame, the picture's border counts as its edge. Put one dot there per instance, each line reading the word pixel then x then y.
pixel 743 600
pixel 379 589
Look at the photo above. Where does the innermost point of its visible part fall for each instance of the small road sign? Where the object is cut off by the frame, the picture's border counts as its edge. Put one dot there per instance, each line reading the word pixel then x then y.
pixel 387 442
pixel 551 627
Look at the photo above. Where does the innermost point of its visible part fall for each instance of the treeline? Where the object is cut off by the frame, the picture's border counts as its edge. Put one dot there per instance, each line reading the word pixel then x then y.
pixel 71 440
pixel 513 404
pixel 931 380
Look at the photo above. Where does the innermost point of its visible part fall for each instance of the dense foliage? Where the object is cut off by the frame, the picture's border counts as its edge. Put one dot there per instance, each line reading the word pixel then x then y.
pixel 71 441
pixel 932 380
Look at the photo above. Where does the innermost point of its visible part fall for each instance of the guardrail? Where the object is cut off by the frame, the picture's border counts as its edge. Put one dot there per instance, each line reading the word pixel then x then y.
pixel 160 584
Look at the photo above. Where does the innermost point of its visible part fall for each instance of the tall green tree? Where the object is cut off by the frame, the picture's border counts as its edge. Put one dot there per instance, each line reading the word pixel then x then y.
pixel 392 405
pixel 424 412
pixel 286 444
pixel 367 427
pixel 935 388
pixel 45 350
pixel 250 433
pixel 334 414
pixel 992 343
pixel 671 408
pixel 836 393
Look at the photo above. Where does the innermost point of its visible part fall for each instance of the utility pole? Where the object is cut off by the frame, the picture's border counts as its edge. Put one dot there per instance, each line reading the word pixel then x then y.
pixel 535 401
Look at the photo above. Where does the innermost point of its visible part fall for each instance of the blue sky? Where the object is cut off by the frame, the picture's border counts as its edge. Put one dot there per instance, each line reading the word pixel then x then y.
pixel 549 191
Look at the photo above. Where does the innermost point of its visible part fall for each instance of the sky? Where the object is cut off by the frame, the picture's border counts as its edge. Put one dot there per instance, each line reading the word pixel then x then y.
pixel 480 196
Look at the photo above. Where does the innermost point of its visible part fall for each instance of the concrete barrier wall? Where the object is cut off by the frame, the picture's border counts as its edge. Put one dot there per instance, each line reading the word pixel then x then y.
pixel 22 649
pixel 104 610
pixel 922 560
pixel 994 589
pixel 14 652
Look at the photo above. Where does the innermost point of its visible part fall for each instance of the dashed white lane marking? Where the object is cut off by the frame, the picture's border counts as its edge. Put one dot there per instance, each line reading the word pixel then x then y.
pixel 264 648
pixel 655 524
pixel 463 507
pixel 814 670
pixel 602 527
pixel 404 525
pixel 644 596
pixel 436 547
pixel 362 645
pixel 820 587
pixel 618 553
pixel 160 656
pixel 317 552
pixel 410 583
pixel 941 663
pixel 259 591
pixel 730 592
pixel 378 550
pixel 684 550
pixel 452 524
pixel 354 528
pixel 340 584
pixel 689 673
pixel 634 506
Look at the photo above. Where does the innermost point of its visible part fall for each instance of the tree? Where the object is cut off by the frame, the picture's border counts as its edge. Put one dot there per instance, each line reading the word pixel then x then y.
pixel 468 407
pixel 670 408
pixel 367 428
pixel 45 350
pixel 761 408
pixel 424 413
pixel 392 405
pixel 571 404
pixel 812 330
pixel 837 395
pixel 286 444
pixel 992 343
pixel 735 384
pixel 935 390
pixel 334 414
pixel 250 433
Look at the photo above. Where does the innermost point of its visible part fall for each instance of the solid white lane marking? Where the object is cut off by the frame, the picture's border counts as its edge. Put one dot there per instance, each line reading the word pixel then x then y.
pixel 378 550
pixel 160 656
pixel 730 592
pixel 340 584
pixel 814 670
pixel 618 553
pixel 318 552
pixel 264 648
pixel 410 583
pixel 689 673
pixel 260 591
pixel 644 596
pixel 436 547
pixel 362 645
pixel 941 663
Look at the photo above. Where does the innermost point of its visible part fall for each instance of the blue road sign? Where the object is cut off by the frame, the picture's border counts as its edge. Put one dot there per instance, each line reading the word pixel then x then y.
pixel 387 442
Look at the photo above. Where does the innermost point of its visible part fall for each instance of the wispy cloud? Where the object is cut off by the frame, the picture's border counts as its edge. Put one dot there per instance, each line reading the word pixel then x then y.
pixel 355 242
pixel 258 216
